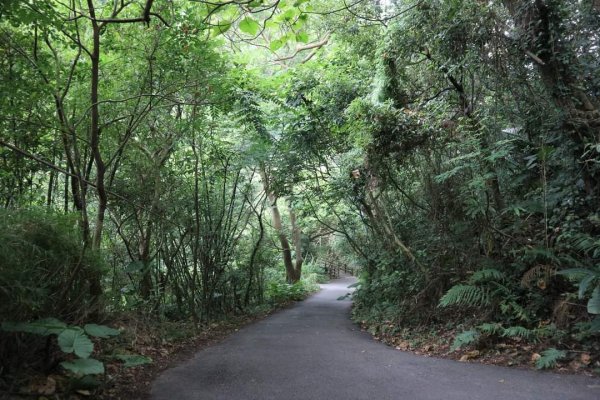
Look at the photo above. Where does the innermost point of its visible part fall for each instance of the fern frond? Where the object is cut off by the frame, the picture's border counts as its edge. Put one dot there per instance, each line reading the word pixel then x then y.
pixel 464 338
pixel 549 358
pixel 547 331
pixel 520 332
pixel 514 309
pixel 540 254
pixel 490 328
pixel 465 295
pixel 586 244
pixel 486 275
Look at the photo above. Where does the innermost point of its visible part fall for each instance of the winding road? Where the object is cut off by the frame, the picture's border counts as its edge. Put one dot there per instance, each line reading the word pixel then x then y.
pixel 314 351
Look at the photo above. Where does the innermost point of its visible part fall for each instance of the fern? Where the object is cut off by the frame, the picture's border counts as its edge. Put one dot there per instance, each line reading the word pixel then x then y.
pixel 465 295
pixel 587 244
pixel 549 358
pixel 548 331
pixel 490 329
pixel 512 309
pixel 539 254
pixel 586 278
pixel 486 275
pixel 520 332
pixel 465 338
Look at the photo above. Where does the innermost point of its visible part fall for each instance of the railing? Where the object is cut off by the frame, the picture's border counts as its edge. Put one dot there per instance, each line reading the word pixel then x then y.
pixel 334 270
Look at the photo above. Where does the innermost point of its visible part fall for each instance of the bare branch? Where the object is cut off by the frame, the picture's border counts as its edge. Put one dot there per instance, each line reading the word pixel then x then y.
pixel 299 49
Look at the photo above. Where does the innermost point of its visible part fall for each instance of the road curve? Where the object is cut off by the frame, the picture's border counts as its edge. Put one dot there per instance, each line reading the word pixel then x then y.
pixel 313 351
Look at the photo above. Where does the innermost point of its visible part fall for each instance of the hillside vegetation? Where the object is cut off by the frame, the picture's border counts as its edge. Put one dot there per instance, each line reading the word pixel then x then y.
pixel 174 165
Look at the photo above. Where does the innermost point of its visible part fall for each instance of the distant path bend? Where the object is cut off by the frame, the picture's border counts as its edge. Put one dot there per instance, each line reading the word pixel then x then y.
pixel 313 351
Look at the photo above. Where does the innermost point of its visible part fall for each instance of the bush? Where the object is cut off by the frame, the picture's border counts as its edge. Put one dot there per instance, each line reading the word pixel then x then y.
pixel 43 274
pixel 313 274
pixel 283 292
pixel 42 266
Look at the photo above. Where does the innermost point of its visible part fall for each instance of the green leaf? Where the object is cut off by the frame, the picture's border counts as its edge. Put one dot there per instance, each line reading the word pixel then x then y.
pixel 488 274
pixel 75 341
pixel 584 284
pixel 249 26
pixel 270 24
pixel 465 295
pixel 519 331
pixel 133 360
pixel 100 331
pixel 84 366
pixel 302 37
pixel 289 14
pixel 44 327
pixel 549 358
pixel 465 338
pixel 575 272
pixel 220 29
pixel 595 324
pixel 290 36
pixel 490 328
pixel 593 306
pixel 276 44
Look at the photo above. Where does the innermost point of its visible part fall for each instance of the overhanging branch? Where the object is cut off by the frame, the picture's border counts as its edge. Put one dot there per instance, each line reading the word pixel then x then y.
pixel 312 46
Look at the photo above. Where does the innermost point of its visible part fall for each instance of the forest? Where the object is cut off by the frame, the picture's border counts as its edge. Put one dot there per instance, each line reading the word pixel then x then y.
pixel 169 166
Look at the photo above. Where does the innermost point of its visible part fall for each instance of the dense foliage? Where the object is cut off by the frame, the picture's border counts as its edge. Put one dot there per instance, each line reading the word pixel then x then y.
pixel 190 160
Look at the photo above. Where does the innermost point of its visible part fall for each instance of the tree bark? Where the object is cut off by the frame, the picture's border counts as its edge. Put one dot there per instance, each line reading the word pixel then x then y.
pixel 297 240
pixel 94 276
pixel 291 271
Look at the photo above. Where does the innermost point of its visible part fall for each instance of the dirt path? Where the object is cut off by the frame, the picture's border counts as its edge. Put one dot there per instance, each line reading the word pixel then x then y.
pixel 313 351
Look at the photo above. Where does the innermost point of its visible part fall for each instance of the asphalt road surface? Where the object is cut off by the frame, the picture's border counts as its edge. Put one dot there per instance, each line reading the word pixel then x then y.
pixel 313 351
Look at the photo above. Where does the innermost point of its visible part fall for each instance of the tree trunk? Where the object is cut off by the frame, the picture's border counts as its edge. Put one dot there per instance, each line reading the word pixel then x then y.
pixel 146 285
pixel 297 240
pixel 292 276
pixel 539 24
pixel 94 276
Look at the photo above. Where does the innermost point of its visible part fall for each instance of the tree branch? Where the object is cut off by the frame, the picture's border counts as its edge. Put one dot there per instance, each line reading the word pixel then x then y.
pixel 299 49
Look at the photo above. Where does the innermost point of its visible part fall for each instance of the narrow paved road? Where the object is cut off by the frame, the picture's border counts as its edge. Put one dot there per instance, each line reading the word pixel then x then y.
pixel 313 351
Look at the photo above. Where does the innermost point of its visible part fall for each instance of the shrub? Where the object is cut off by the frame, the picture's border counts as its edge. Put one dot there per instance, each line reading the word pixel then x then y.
pixel 42 266
pixel 283 292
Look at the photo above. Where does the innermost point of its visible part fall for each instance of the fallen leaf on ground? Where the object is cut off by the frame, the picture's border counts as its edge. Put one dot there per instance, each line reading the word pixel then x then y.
pixel 469 355
pixel 586 358
pixel 403 345
pixel 575 365
pixel 43 386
